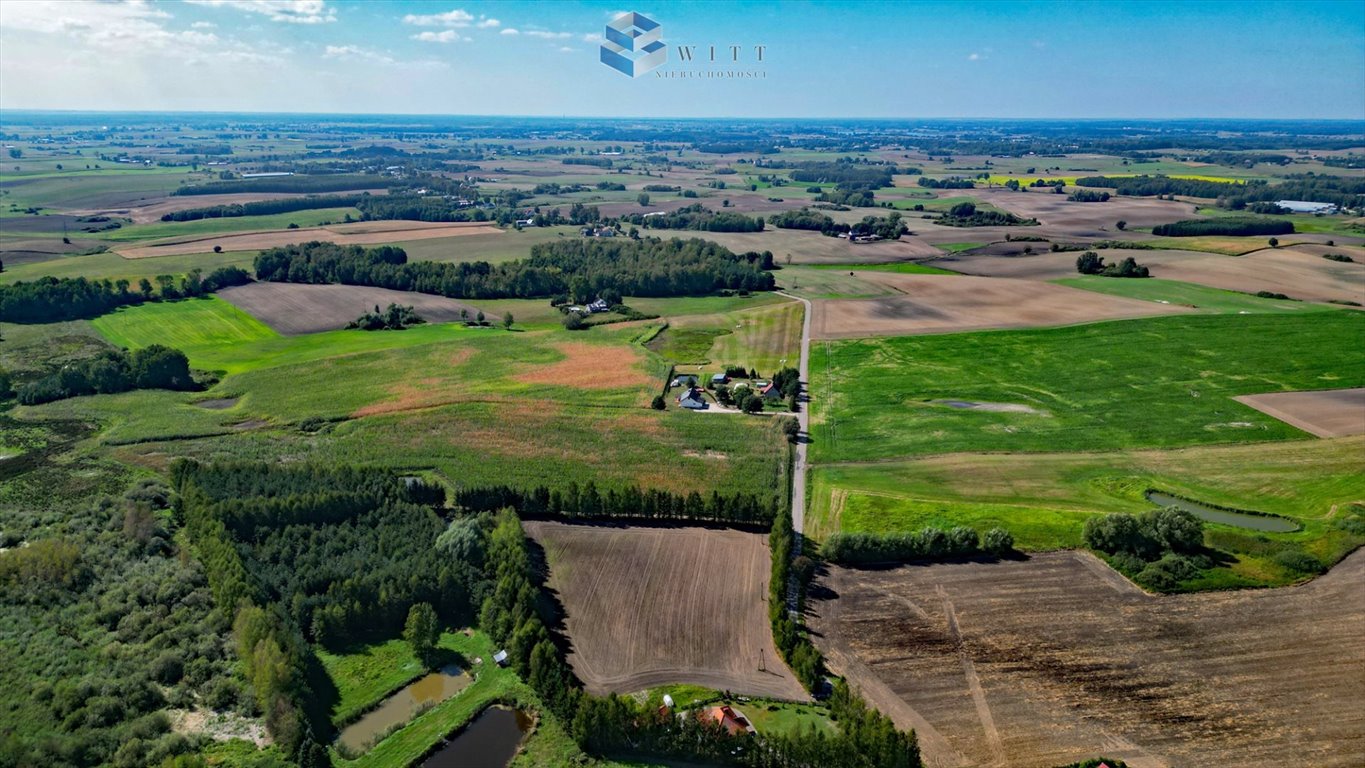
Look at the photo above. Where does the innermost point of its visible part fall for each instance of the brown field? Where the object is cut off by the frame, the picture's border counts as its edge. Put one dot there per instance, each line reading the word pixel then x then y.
pixel 360 233
pixel 591 366
pixel 1085 219
pixel 295 308
pixel 153 210
pixel 29 250
pixel 1299 272
pixel 948 304
pixel 651 606
pixel 1058 658
pixel 1009 260
pixel 1326 413
pixel 814 248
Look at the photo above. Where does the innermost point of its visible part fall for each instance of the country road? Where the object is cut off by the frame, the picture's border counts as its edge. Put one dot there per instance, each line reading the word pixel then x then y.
pixel 802 439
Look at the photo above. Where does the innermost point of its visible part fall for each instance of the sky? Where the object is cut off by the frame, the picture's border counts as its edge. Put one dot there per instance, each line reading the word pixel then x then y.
pixel 990 58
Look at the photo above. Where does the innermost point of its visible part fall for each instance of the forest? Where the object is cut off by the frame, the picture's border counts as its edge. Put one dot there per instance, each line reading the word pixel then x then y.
pixel 111 371
pixel 1341 191
pixel 700 218
pixel 264 207
pixel 1228 226
pixel 52 299
pixel 582 269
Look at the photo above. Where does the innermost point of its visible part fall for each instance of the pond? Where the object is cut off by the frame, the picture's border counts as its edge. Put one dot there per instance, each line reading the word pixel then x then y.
pixel 401 707
pixel 1267 523
pixel 490 741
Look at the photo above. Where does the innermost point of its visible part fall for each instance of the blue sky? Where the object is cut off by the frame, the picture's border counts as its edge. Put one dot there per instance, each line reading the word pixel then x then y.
pixel 1285 59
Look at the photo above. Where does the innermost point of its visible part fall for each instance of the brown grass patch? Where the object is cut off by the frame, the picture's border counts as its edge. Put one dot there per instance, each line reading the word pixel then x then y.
pixel 590 366
pixel 411 395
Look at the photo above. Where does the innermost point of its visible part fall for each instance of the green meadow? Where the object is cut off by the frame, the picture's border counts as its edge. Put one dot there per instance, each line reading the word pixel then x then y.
pixel 1163 382
pixel 228 225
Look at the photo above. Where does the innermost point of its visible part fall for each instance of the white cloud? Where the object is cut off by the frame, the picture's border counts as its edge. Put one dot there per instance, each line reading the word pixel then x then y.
pixel 291 11
pixel 203 25
pixel 566 49
pixel 132 31
pixel 489 24
pixel 592 37
pixel 511 31
pixel 355 52
pixel 446 36
pixel 975 57
pixel 456 18
pixel 543 35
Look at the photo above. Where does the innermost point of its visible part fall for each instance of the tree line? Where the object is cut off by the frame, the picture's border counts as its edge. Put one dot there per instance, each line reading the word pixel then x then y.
pixel 395 317
pixel 1091 263
pixel 587 502
pixel 1342 191
pixel 1235 227
pixel 950 183
pixel 112 371
pixel 264 207
pixel 848 548
pixel 302 183
pixel 645 267
pixel 966 214
pixel 698 217
pixel 52 299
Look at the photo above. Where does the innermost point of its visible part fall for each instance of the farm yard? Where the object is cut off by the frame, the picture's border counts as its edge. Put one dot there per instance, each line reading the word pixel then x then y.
pixel 962 653
pixel 648 606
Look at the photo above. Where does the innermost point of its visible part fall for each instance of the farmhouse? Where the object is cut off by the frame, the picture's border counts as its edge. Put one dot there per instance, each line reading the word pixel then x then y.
pixel 770 391
pixel 599 305
pixel 719 379
pixel 684 380
pixel 729 719
pixel 692 399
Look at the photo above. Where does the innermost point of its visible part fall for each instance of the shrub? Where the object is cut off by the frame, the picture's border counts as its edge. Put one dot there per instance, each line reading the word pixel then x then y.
pixel 998 541
pixel 657 403
pixel 1299 561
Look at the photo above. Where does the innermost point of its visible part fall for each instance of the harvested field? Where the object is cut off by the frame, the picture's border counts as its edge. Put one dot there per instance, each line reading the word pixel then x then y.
pixel 947 304
pixel 1326 413
pixel 31 250
pixel 650 606
pixel 814 248
pixel 297 308
pixel 1086 219
pixel 963 654
pixel 590 366
pixel 1009 260
pixel 360 233
pixel 1299 272
pixel 153 210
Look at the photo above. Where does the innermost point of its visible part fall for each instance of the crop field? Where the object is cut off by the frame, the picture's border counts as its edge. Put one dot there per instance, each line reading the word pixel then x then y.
pixel 949 304
pixel 157 230
pixel 1201 298
pixel 764 338
pixel 1299 272
pixel 295 308
pixel 365 233
pixel 1011 260
pixel 493 247
pixel 962 653
pixel 1177 375
pixel 805 247
pixel 1327 413
pixel 649 606
pixel 189 324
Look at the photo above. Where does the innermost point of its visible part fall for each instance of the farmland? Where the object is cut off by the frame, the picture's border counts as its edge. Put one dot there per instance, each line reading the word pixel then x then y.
pixel 962 653
pixel 636 603
pixel 1177 376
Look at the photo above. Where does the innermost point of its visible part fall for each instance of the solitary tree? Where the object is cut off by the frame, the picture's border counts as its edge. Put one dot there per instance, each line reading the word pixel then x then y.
pixel 644 199
pixel 1274 242
pixel 422 631
pixel 1121 224
pixel 507 320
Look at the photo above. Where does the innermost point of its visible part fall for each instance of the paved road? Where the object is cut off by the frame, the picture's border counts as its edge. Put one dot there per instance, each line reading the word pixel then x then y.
pixel 803 439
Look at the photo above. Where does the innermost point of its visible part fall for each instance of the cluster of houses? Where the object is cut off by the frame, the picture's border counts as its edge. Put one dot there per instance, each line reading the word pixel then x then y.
pixel 599 232
pixel 693 397
pixel 852 238
pixel 591 308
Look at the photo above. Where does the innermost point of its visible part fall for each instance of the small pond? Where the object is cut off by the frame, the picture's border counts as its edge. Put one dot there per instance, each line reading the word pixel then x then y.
pixel 401 707
pixel 1266 523
pixel 490 741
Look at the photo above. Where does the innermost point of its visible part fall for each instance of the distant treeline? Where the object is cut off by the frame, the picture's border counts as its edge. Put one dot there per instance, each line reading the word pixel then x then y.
pixel 418 208
pixel 1088 196
pixel 928 183
pixel 53 299
pixel 889 227
pixel 298 183
pixel 112 371
pixel 578 268
pixel 1227 226
pixel 596 162
pixel 264 207
pixel 589 503
pixel 700 218
pixel 927 544
pixel 846 176
pixel 966 215
pixel 1338 190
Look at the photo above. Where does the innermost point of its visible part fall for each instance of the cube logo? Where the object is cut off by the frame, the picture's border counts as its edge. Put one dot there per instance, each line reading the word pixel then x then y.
pixel 632 46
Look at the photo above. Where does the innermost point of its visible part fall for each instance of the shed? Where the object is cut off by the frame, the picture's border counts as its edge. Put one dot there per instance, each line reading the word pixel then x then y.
pixel 500 658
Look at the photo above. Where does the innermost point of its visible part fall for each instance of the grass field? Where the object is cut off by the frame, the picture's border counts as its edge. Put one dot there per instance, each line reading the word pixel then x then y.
pixel 192 324
pixel 765 338
pixel 1162 382
pixel 366 675
pixel 111 266
pixel 1210 300
pixel 160 229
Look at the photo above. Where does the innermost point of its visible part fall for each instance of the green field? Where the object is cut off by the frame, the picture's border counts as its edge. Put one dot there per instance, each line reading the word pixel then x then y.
pixel 1205 299
pixel 189 324
pixel 1043 498
pixel 111 266
pixel 199 227
pixel 1163 382
pixel 765 338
